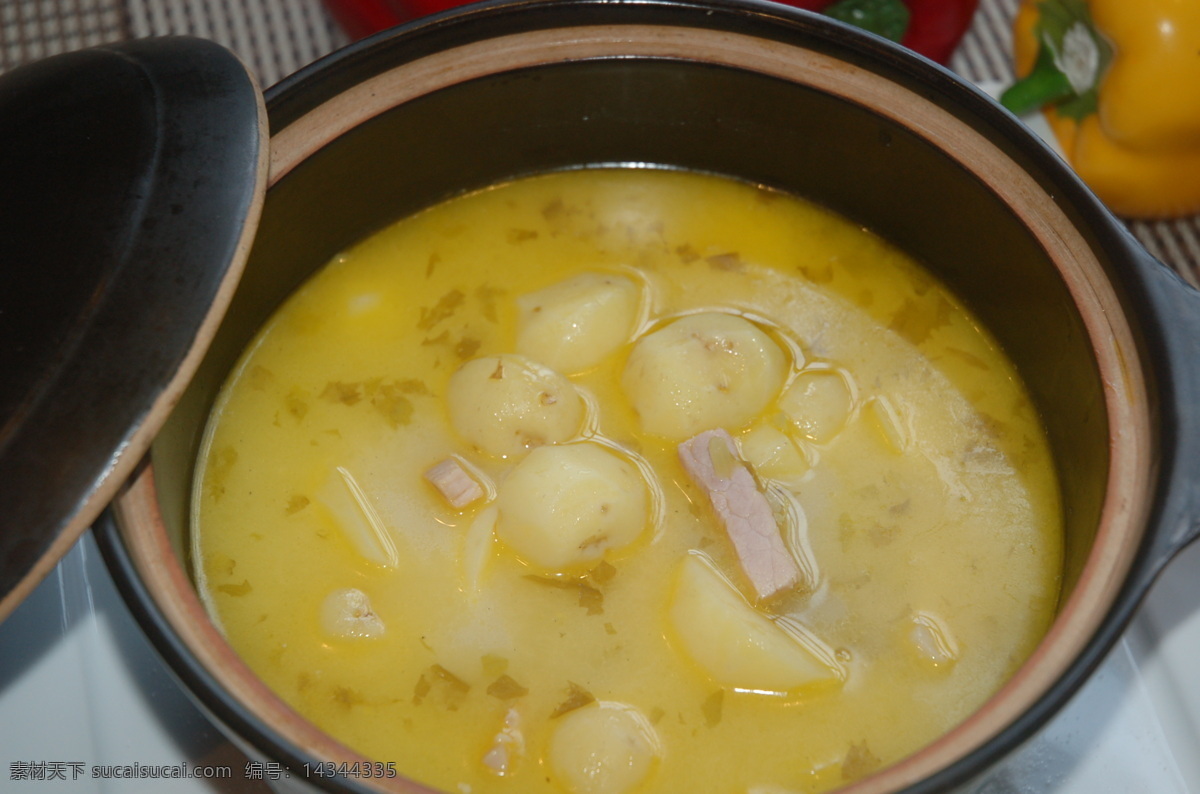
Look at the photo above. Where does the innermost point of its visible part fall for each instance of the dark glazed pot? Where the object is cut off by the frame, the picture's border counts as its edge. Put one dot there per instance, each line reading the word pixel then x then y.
pixel 1107 339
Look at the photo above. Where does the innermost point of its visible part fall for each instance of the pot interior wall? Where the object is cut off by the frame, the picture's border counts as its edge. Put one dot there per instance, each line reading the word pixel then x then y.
pixel 687 115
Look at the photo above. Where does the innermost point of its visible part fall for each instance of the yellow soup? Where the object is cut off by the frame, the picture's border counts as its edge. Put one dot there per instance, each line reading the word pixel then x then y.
pixel 628 480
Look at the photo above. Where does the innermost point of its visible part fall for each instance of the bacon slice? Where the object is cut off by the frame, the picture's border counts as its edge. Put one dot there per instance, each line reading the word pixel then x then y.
pixel 454 483
pixel 712 461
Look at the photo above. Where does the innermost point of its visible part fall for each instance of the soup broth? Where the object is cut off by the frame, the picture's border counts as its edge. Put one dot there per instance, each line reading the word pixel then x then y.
pixel 627 480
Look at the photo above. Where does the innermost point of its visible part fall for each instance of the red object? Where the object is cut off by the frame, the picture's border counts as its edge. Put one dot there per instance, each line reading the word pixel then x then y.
pixel 361 18
pixel 934 30
pixel 937 26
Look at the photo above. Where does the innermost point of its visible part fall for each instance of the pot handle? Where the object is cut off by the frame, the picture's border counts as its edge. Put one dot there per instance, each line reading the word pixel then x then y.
pixel 1178 348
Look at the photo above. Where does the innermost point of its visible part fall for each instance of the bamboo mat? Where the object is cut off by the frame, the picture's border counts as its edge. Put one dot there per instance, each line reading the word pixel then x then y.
pixel 277 37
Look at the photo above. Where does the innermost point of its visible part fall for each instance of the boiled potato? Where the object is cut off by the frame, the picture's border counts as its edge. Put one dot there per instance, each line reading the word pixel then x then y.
pixel 563 507
pixel 346 613
pixel 738 646
pixel 353 512
pixel 603 748
pixel 773 454
pixel 504 405
pixel 818 402
pixel 701 372
pixel 508 746
pixel 884 418
pixel 575 324
pixel 932 642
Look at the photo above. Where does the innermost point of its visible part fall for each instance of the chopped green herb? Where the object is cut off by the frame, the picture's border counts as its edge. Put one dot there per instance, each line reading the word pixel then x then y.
pixel 421 690
pixel 446 306
pixel 235 589
pixel 467 348
pixel 521 235
pixel 393 405
pixel 859 761
pixel 603 573
pixel 577 698
pixel 591 599
pixel 505 688
pixel 494 665
pixel 340 392
pixel 730 261
pixel 712 707
pixel 296 403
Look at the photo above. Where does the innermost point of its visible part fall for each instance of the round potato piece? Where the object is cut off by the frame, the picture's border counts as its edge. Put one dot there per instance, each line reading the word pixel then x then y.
pixel 563 507
pixel 818 402
pixel 574 325
pixel 504 405
pixel 702 372
pixel 603 748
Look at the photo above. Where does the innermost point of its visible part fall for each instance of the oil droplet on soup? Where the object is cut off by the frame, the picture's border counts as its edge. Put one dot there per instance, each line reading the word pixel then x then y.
pixel 621 480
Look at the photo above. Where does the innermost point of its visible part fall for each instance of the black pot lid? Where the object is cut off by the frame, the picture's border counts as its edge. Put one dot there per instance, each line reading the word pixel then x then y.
pixel 131 180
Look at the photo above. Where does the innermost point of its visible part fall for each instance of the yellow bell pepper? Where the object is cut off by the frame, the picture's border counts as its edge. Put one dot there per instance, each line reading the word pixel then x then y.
pixel 1119 81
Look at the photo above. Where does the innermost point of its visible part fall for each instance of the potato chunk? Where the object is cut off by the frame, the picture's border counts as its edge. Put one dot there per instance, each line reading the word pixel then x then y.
pixel 353 511
pixel 507 746
pixel 603 748
pixel 347 613
pixel 738 646
pixel 932 641
pixel 504 405
pixel 818 402
pixel 703 371
pixel 563 507
pixel 773 454
pixel 882 415
pixel 574 325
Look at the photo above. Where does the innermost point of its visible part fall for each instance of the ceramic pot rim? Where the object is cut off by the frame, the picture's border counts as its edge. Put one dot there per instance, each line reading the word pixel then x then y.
pixel 1127 501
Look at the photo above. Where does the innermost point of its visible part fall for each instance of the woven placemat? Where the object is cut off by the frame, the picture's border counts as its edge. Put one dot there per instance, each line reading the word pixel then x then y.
pixel 277 37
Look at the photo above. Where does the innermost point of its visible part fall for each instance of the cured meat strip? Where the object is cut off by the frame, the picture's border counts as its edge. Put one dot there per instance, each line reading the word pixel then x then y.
pixel 454 483
pixel 712 461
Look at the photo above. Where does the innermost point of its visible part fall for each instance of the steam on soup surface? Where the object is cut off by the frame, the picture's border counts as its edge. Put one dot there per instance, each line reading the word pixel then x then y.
pixel 627 480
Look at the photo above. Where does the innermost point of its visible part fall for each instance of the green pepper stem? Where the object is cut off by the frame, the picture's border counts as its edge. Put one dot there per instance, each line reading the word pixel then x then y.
pixel 1045 85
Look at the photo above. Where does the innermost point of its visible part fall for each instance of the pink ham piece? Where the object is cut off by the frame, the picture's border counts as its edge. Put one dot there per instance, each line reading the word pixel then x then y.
pixel 454 483
pixel 712 461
